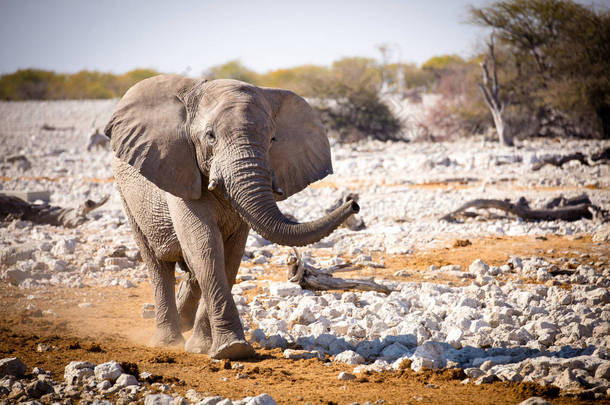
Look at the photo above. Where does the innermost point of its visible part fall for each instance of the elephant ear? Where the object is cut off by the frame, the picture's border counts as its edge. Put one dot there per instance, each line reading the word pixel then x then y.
pixel 300 153
pixel 147 130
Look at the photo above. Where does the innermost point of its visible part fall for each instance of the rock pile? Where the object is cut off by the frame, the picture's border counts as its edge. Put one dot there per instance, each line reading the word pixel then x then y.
pixel 102 384
pixel 493 329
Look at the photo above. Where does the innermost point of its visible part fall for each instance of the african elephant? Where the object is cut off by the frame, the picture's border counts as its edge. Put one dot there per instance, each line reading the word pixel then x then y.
pixel 198 163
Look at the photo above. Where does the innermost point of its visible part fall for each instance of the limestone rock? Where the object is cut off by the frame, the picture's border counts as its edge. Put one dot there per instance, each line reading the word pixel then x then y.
pixel 125 380
pixel 12 366
pixel 108 371
pixel 346 376
pixel 76 371
pixel 349 357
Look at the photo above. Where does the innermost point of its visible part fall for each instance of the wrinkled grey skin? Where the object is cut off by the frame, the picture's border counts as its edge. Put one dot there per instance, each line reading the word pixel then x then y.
pixel 198 164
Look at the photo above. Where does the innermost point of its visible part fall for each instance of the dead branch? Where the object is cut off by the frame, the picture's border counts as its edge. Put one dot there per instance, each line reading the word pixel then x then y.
pixel 15 208
pixel 559 161
pixel 522 210
pixel 491 94
pixel 311 278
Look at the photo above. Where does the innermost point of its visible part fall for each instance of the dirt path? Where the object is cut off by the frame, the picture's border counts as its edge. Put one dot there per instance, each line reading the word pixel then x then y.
pixel 113 329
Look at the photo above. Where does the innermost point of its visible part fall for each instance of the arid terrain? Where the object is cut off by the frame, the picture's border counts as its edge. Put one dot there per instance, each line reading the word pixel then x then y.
pixel 484 309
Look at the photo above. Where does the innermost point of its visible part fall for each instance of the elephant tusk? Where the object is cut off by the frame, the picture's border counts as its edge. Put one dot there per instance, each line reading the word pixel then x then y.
pixel 213 184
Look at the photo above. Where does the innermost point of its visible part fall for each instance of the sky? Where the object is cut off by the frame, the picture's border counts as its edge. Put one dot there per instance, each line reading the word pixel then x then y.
pixel 190 36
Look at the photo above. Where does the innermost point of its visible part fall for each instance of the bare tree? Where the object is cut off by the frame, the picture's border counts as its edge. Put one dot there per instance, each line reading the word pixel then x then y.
pixel 491 92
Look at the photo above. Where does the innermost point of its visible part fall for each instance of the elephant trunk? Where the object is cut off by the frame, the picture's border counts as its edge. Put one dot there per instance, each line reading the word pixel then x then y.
pixel 248 186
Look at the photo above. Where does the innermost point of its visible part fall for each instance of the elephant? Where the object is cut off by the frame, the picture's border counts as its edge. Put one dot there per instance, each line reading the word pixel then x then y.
pixel 197 164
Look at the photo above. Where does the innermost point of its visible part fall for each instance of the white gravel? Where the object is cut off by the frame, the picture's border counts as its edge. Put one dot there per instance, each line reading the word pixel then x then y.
pixel 508 329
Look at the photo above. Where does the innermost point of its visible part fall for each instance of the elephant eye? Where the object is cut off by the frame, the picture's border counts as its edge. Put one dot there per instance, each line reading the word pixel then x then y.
pixel 210 137
pixel 273 139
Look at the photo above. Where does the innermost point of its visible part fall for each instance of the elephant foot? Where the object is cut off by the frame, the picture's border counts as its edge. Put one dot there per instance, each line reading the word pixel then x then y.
pixel 187 320
pixel 238 349
pixel 198 344
pixel 164 338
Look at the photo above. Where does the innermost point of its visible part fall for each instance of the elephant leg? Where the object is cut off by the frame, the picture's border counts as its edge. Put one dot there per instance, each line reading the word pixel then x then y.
pixel 187 299
pixel 162 279
pixel 203 251
pixel 234 250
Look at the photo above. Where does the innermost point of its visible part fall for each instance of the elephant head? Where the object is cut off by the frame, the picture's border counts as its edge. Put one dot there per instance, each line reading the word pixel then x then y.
pixel 249 145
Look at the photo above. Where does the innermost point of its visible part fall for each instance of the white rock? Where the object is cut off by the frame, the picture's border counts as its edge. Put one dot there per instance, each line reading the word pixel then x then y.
pixel 479 267
pixel 300 354
pixel 349 357
pixel 429 355
pixel 125 380
pixel 262 399
pixel 64 247
pixel 76 371
pixel 302 315
pixel 454 337
pixel 125 283
pixel 394 351
pixel 108 371
pixel 284 289
pixel 535 401
pixel 346 376
pixel 194 396
pixel 210 400
pixel 158 399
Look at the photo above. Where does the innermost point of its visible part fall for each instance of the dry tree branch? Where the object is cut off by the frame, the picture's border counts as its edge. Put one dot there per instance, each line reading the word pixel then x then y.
pixel 311 278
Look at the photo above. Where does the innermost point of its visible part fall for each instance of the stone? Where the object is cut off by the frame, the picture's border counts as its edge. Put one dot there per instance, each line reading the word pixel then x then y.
pixel 104 385
pixel 369 348
pixel 38 388
pixel 284 289
pixel 567 381
pixel 454 337
pixel 180 400
pixel 125 283
pixel 158 399
pixel 193 396
pixel 125 380
pixel 274 341
pixel 349 357
pixel 64 247
pixel 12 366
pixel 262 399
pixel 603 235
pixel 210 400
pixel 346 376
pixel 108 371
pixel 474 372
pixel 14 254
pixel 603 371
pixel 76 372
pixel 535 401
pixel 479 267
pixel 300 354
pixel 394 351
pixel 15 276
pixel 429 355
pixel 486 379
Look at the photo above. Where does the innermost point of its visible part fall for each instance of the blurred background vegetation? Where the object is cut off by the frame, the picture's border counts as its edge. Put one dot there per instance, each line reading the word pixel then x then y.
pixel 553 67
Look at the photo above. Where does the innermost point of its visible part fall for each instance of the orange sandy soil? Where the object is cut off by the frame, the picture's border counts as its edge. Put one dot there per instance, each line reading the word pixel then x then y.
pixel 115 326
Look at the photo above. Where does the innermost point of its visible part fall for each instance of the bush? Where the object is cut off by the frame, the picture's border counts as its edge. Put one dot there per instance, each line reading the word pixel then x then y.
pixel 34 84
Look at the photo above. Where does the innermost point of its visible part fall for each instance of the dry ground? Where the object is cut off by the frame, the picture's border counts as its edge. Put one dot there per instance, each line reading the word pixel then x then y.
pixel 113 330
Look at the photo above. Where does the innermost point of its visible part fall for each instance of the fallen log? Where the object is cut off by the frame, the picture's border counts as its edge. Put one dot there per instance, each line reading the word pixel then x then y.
pixel 572 212
pixel 310 278
pixel 15 208
pixel 560 160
